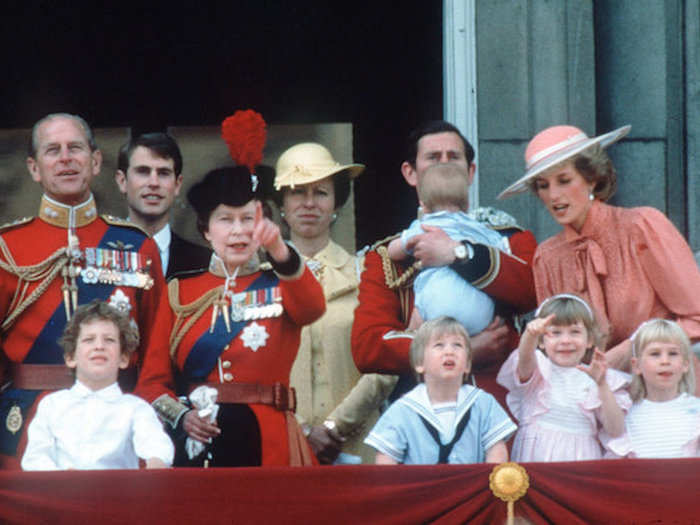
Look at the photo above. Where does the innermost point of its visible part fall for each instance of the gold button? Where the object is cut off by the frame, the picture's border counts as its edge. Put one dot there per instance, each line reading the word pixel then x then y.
pixel 228 376
pixel 226 364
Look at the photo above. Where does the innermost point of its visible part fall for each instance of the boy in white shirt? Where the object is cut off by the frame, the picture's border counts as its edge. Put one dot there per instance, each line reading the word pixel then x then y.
pixel 93 425
pixel 442 420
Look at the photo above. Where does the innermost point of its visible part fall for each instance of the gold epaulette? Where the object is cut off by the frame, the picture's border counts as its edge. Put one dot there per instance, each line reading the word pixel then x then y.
pixel 392 277
pixel 384 241
pixel 18 222
pixel 494 218
pixel 118 221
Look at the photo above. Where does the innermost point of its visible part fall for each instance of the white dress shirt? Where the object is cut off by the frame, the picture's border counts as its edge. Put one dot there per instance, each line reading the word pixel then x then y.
pixel 163 239
pixel 79 428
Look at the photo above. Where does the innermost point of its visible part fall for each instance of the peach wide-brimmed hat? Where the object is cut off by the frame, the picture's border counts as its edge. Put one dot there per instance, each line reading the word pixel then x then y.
pixel 308 162
pixel 554 145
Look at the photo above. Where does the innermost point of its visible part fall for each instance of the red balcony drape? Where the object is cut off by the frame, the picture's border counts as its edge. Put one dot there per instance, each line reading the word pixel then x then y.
pixel 622 491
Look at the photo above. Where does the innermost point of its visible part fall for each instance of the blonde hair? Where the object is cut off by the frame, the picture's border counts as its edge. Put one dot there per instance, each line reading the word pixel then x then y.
pixel 665 331
pixel 444 185
pixel 569 309
pixel 437 327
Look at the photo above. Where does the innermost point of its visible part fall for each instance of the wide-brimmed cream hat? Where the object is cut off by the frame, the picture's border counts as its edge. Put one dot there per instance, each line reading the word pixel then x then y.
pixel 554 145
pixel 308 162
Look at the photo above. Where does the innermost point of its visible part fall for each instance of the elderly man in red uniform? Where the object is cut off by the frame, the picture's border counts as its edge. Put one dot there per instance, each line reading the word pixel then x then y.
pixel 49 264
pixel 380 342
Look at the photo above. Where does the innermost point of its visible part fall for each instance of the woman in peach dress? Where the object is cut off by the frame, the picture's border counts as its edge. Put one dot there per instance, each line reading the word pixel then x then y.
pixel 630 264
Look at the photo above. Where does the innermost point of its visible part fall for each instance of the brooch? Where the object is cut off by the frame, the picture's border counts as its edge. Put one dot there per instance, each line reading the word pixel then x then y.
pixel 14 419
pixel 254 336
pixel 120 301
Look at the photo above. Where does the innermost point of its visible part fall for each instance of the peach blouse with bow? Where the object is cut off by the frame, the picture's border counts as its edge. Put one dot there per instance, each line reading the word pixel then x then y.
pixel 630 264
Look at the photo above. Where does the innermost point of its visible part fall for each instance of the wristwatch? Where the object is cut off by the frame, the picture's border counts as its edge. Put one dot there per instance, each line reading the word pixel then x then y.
pixel 463 252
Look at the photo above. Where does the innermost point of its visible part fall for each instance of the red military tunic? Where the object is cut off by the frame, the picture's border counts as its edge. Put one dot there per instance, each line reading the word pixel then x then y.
pixel 32 337
pixel 237 360
pixel 379 341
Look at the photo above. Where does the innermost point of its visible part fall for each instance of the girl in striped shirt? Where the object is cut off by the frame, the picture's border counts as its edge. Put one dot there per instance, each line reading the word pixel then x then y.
pixel 664 421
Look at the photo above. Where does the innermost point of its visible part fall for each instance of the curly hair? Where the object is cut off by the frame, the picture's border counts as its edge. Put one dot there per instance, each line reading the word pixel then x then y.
pixel 102 311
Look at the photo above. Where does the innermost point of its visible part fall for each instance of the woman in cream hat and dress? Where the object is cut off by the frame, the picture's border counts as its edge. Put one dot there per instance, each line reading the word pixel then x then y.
pixel 630 264
pixel 336 405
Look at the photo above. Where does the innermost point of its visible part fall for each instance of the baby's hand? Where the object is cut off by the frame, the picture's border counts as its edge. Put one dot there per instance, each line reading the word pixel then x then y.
pixel 539 325
pixel 597 368
pixel 415 321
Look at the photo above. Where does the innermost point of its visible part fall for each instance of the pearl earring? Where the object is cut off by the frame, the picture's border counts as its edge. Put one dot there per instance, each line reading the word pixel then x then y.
pixel 591 196
pixel 334 217
pixel 282 214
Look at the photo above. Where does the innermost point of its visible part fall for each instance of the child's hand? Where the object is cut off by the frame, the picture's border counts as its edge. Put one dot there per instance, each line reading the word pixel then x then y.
pixel 597 368
pixel 415 321
pixel 155 463
pixel 267 234
pixel 538 326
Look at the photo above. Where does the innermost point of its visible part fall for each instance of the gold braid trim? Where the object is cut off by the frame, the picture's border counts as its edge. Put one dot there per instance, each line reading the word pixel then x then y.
pixel 400 283
pixel 45 271
pixel 391 276
pixel 195 309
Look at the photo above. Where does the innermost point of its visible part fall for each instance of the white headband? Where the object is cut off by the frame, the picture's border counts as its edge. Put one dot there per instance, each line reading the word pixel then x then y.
pixel 565 296
pixel 648 321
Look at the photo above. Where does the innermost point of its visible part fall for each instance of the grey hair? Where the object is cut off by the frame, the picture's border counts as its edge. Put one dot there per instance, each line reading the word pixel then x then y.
pixel 34 139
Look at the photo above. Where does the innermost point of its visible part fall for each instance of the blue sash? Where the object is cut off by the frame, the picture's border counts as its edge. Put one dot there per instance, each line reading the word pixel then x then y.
pixel 45 349
pixel 202 357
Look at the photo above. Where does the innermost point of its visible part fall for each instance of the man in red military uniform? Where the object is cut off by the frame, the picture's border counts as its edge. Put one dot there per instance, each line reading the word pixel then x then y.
pixel 380 342
pixel 66 256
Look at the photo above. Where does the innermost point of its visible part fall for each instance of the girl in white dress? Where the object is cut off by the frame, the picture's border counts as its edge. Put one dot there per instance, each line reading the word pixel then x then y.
pixel 664 421
pixel 563 407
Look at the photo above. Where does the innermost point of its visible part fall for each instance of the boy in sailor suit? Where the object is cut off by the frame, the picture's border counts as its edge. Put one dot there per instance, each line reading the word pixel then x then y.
pixel 442 420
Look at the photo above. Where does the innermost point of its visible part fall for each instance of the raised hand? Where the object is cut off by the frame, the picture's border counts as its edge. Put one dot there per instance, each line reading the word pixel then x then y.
pixel 597 368
pixel 528 343
pixel 538 326
pixel 268 236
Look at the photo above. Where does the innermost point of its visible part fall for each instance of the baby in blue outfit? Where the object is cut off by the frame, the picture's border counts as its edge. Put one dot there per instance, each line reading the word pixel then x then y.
pixel 444 199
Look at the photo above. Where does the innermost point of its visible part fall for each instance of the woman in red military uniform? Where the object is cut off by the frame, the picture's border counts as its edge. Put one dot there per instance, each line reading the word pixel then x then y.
pixel 234 328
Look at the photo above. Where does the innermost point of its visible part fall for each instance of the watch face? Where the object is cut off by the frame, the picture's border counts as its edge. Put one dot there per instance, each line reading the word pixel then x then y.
pixel 461 251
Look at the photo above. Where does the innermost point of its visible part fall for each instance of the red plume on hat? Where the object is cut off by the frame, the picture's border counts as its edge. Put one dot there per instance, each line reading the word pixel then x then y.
pixel 245 133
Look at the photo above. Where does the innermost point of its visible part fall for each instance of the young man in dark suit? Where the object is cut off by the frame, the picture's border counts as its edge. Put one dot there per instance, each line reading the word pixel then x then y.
pixel 150 175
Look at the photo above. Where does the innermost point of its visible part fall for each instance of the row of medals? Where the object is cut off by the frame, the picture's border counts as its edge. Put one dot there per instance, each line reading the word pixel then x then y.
pixel 128 273
pixel 137 279
pixel 251 312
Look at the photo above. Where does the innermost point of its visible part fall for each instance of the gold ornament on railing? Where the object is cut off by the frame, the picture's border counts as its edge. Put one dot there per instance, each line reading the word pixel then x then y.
pixel 509 482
